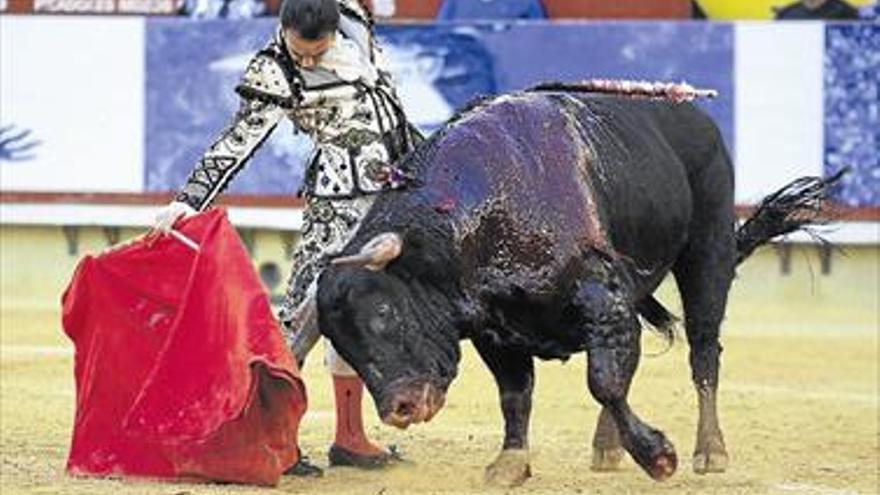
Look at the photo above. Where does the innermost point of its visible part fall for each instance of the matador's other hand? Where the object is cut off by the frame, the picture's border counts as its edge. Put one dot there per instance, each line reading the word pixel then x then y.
pixel 170 214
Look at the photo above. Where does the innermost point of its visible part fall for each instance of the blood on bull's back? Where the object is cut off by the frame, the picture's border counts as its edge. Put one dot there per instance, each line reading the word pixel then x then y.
pixel 537 178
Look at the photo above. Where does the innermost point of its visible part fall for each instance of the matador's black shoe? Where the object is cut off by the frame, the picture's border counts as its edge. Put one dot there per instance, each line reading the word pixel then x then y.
pixel 340 456
pixel 304 468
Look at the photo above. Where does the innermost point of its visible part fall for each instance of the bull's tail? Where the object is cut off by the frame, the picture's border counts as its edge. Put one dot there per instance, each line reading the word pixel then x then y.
pixel 660 319
pixel 793 207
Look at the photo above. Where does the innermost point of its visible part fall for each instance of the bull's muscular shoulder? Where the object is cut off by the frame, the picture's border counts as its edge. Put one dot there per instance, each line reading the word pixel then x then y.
pixel 269 78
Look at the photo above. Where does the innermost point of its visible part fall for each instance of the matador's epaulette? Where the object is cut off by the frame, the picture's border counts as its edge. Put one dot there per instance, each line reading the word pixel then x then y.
pixel 357 10
pixel 266 79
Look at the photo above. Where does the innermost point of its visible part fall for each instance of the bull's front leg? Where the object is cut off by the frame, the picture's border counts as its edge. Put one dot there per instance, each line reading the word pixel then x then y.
pixel 613 355
pixel 515 375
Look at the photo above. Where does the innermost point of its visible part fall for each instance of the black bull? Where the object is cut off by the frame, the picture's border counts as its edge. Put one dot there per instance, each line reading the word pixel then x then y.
pixel 539 224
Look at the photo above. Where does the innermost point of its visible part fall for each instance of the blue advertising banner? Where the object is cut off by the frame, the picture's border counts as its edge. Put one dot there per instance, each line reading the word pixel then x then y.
pixel 192 68
pixel 461 61
pixel 698 53
pixel 852 110
pixel 139 108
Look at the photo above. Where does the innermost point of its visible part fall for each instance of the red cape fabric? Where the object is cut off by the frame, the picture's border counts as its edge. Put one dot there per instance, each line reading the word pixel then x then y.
pixel 181 369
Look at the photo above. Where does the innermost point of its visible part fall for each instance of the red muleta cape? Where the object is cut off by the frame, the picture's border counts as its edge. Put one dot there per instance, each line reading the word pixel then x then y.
pixel 181 369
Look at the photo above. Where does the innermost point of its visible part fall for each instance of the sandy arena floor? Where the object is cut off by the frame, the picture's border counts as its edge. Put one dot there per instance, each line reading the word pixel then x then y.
pixel 799 411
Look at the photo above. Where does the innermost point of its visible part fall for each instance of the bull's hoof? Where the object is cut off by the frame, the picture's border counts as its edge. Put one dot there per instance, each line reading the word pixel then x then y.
pixel 606 459
pixel 710 460
pixel 664 465
pixel 658 460
pixel 511 468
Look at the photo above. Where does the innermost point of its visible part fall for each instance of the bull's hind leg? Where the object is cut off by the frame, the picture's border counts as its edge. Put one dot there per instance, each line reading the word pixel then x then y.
pixel 704 273
pixel 607 450
pixel 515 375
pixel 613 349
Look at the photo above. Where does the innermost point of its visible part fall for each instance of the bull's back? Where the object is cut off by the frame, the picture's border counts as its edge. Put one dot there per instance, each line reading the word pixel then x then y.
pixel 675 172
pixel 542 177
pixel 641 177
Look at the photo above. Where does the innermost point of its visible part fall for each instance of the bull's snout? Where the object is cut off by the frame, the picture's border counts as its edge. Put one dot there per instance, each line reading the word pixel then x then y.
pixel 414 404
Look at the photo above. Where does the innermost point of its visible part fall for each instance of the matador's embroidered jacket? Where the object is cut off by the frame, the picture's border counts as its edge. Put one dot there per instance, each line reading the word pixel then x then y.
pixel 353 116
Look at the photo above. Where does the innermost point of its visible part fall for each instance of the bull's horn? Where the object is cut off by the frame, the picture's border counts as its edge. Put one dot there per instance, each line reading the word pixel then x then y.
pixel 376 254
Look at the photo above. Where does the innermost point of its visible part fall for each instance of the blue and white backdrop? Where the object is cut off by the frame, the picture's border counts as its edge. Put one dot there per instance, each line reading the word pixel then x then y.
pixel 129 104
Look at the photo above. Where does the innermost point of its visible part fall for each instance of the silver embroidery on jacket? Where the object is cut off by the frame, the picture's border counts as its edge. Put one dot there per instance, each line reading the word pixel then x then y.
pixel 250 126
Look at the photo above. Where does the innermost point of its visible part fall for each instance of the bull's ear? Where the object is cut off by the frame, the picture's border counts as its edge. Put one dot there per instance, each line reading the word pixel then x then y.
pixel 376 254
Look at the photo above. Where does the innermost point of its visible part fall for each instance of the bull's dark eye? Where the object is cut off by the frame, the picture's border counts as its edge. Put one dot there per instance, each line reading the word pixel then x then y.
pixel 382 309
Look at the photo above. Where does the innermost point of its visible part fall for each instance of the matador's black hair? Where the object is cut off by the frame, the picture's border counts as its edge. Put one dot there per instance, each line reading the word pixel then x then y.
pixel 310 19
